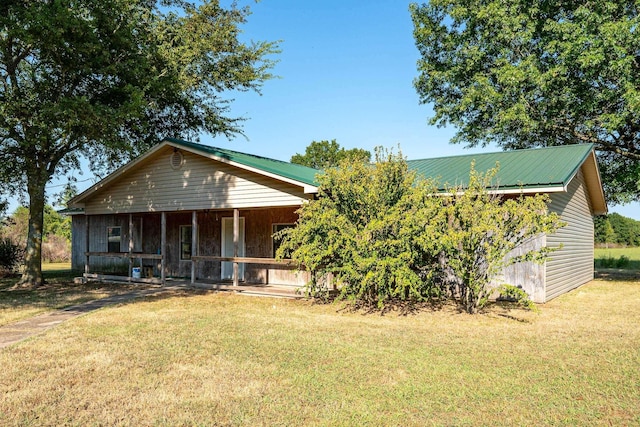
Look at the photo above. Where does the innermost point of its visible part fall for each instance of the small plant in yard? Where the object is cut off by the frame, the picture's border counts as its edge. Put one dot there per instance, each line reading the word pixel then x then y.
pixel 609 261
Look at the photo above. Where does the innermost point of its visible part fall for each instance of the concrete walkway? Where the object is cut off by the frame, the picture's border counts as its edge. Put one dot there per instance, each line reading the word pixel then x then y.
pixel 18 331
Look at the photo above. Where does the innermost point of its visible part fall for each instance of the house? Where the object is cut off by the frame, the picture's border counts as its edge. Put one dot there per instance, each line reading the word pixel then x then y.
pixel 186 210
pixel 569 175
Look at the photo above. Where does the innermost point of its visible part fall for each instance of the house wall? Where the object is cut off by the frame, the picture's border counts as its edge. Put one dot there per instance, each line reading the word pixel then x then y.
pixel 200 183
pixel 572 265
pixel 528 275
pixel 258 243
pixel 78 241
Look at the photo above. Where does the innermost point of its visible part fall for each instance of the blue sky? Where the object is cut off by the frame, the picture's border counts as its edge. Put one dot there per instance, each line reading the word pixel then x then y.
pixel 346 72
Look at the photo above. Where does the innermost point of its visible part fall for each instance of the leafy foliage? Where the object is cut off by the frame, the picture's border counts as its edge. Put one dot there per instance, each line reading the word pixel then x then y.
pixel 359 229
pixel 387 236
pixel 11 255
pixel 106 79
pixel 56 245
pixel 617 229
pixel 524 74
pixel 479 229
pixel 324 154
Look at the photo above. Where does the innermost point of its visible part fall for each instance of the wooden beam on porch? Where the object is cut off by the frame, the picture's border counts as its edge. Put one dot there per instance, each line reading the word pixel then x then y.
pixel 130 244
pixel 246 260
pixel 194 244
pixel 163 248
pixel 236 237
pixel 86 256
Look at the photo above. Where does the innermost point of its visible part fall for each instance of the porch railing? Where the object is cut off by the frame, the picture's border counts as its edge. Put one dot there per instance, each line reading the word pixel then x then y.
pixel 286 263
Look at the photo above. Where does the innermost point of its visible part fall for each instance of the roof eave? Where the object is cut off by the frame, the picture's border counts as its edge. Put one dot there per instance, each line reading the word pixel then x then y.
pixel 593 181
pixel 307 188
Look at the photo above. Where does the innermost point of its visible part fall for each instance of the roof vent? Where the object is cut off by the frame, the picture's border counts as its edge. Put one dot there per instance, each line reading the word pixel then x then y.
pixel 177 159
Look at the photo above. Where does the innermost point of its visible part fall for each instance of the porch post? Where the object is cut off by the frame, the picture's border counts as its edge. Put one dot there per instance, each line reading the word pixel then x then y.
pixel 236 237
pixel 163 247
pixel 194 244
pixel 130 245
pixel 86 246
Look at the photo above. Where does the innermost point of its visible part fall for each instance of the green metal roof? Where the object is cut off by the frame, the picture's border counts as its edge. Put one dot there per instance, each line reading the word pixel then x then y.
pixel 531 168
pixel 303 174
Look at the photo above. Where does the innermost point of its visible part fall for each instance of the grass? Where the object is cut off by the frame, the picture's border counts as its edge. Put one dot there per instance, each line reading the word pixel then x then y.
pixel 59 292
pixel 202 358
pixel 613 258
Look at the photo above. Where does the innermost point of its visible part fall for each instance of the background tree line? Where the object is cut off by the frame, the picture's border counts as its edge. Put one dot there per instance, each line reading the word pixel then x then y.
pixel 615 229
pixel 14 229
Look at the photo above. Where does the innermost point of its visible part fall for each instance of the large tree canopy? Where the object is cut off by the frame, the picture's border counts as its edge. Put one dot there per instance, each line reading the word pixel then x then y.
pixel 525 73
pixel 106 79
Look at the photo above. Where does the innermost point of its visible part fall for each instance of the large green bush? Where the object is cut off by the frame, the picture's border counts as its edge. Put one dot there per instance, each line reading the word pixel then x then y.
pixel 386 235
pixel 478 229
pixel 360 230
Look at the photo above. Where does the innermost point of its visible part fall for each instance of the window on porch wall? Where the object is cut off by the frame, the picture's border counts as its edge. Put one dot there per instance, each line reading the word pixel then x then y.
pixel 114 238
pixel 185 242
pixel 276 243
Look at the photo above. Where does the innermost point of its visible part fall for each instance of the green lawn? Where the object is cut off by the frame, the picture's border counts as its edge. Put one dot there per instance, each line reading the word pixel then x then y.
pixel 199 358
pixel 613 258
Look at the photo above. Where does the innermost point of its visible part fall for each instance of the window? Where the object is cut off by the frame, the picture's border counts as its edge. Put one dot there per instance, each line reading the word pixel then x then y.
pixel 275 229
pixel 185 242
pixel 114 237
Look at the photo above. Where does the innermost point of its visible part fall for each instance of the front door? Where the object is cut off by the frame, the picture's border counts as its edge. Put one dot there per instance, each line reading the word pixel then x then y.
pixel 227 248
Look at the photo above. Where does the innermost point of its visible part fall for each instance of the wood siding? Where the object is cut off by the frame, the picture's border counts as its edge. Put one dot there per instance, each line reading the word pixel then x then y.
pixel 258 243
pixel 572 265
pixel 529 276
pixel 200 183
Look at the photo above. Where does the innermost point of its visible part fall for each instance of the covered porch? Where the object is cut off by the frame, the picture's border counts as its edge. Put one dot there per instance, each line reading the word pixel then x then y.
pixel 206 248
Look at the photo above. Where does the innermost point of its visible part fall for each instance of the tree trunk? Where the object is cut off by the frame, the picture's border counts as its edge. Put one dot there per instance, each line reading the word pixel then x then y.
pixel 32 276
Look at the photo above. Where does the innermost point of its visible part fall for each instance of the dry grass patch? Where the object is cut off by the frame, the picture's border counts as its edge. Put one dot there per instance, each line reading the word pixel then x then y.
pixel 222 359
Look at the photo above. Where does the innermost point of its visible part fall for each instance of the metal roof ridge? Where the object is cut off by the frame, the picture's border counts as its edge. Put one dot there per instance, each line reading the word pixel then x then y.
pixel 515 150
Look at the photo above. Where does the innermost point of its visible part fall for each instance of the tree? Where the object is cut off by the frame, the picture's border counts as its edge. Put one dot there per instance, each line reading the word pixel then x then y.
pixel 361 228
pixel 106 79
pixel 627 230
pixel 387 235
pixel 478 229
pixel 324 154
pixel 525 74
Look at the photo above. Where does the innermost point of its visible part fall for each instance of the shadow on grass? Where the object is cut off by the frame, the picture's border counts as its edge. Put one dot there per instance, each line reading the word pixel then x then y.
pixel 61 293
pixel 617 274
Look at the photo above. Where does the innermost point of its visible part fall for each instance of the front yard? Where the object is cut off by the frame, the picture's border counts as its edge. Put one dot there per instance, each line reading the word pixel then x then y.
pixel 204 358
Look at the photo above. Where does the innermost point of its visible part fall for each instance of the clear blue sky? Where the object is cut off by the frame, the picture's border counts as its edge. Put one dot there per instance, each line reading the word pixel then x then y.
pixel 346 72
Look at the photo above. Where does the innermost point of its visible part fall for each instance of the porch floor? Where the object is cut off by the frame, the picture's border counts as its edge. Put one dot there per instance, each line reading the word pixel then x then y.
pixel 252 289
pixel 255 289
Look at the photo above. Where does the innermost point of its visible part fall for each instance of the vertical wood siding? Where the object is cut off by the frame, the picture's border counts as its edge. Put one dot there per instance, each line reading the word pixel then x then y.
pixel 258 243
pixel 200 183
pixel 529 276
pixel 572 265
pixel 78 242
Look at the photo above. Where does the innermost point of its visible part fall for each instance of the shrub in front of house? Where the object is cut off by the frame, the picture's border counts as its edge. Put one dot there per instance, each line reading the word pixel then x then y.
pixel 387 236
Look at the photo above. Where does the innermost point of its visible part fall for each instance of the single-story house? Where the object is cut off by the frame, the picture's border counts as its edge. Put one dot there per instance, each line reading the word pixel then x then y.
pixel 191 211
